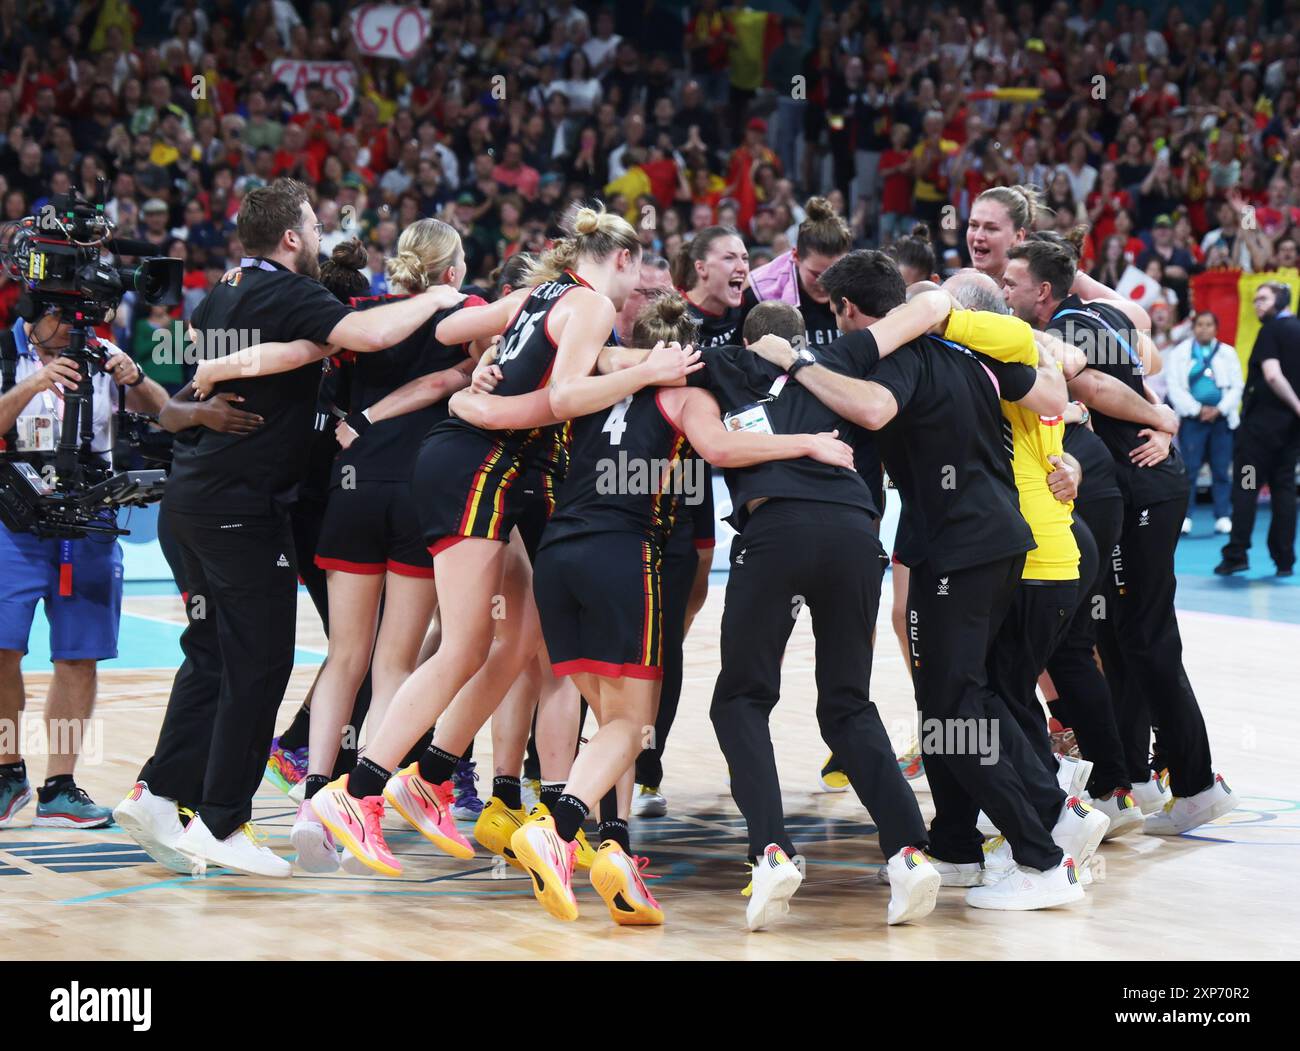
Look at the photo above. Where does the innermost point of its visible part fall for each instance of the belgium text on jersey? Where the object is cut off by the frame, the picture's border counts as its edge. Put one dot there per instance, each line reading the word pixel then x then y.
pixel 638 476
pixel 76 1004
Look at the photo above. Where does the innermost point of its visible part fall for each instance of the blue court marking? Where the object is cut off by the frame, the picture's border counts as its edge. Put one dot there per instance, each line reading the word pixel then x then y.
pixel 1257 593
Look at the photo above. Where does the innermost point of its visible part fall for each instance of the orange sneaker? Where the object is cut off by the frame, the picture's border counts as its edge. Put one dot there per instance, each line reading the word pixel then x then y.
pixel 617 879
pixel 549 861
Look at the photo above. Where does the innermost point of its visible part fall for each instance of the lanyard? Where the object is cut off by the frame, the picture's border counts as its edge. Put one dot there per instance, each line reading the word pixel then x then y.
pixel 65 568
pixel 1132 354
pixel 261 264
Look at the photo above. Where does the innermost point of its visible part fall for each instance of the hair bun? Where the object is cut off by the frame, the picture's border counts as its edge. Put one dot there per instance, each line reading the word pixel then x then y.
pixel 351 254
pixel 819 209
pixel 587 221
pixel 921 232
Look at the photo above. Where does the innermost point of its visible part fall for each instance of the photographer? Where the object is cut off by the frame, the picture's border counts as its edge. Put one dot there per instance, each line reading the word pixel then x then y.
pixel 80 581
pixel 227 506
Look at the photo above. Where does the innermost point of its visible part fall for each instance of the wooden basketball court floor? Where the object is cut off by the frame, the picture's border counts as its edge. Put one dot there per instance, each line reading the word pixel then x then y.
pixel 1226 891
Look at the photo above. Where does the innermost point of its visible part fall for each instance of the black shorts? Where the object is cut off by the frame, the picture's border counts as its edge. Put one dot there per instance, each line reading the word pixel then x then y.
pixel 466 485
pixel 372 528
pixel 534 496
pixel 600 601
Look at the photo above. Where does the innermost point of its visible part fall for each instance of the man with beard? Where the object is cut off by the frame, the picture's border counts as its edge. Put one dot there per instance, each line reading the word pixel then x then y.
pixel 227 506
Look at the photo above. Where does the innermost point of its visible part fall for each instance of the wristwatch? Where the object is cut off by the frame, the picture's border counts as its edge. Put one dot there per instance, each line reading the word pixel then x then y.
pixel 802 357
pixel 139 377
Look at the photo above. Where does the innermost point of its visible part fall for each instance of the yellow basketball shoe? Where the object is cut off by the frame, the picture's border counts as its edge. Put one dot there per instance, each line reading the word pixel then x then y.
pixel 494 827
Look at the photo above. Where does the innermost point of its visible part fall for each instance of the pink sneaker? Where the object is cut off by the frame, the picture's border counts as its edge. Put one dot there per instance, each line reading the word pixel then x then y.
pixel 313 842
pixel 428 808
pixel 356 824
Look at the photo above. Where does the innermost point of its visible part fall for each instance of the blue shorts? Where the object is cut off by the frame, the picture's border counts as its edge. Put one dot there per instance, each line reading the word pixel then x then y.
pixel 83 625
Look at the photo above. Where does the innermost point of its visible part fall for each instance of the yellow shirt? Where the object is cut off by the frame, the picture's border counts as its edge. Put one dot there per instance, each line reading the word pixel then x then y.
pixel 1034 438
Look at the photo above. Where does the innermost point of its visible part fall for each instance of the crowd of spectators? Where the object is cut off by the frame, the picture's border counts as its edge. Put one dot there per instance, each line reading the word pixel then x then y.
pixel 1175 139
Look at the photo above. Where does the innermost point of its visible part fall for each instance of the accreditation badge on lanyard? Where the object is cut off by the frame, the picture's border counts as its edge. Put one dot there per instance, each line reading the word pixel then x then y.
pixel 37 431
pixel 754 417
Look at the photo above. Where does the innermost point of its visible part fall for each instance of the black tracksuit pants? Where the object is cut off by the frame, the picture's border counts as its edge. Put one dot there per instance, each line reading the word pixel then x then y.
pixel 796 553
pixel 677 577
pixel 1033 627
pixel 1084 702
pixel 976 754
pixel 1148 650
pixel 1264 452
pixel 238 646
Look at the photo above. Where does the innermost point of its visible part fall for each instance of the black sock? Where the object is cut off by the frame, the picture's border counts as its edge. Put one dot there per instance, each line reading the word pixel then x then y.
pixel 14 771
pixel 616 829
pixel 569 813
pixel 506 789
pixel 609 806
pixel 551 791
pixel 315 782
pixel 437 766
pixel 295 736
pixel 52 787
pixel 367 779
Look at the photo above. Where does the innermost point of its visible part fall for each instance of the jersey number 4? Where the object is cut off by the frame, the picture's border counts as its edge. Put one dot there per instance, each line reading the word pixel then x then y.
pixel 520 335
pixel 616 422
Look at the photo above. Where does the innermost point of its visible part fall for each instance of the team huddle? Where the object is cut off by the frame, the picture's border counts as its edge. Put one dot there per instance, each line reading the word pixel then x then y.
pixel 517 527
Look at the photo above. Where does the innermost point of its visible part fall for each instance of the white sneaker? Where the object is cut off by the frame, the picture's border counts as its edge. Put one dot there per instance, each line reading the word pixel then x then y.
pixel 1151 795
pixel 1223 525
pixel 1187 526
pixel 353 865
pixel 951 874
pixel 985 826
pixel 1183 813
pixel 298 792
pixel 1072 774
pixel 154 822
pixel 914 886
pixel 773 880
pixel 1079 830
pixel 1023 889
pixel 530 793
pixel 997 860
pixel 1122 809
pixel 648 801
pixel 240 851
pixel 313 842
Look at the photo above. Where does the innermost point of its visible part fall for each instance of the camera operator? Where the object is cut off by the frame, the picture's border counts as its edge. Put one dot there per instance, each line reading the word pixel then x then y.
pixel 80 581
pixel 227 506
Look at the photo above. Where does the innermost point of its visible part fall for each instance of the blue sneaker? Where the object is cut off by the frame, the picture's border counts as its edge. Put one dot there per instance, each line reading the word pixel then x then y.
pixel 467 805
pixel 72 808
pixel 14 795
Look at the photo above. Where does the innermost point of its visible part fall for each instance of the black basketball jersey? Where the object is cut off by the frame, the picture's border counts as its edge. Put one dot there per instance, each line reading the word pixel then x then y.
pixel 1107 337
pixel 719 330
pixel 629 470
pixel 526 358
pixel 386 453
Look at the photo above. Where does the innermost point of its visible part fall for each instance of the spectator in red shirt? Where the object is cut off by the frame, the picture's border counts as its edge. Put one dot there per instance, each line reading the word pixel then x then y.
pixel 896 176
pixel 1106 201
pixel 515 174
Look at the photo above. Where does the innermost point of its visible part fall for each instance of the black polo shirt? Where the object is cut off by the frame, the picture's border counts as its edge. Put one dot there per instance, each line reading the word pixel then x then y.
pixel 946 452
pixel 740 380
pixel 258 473
pixel 1278 338
pixel 1108 339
